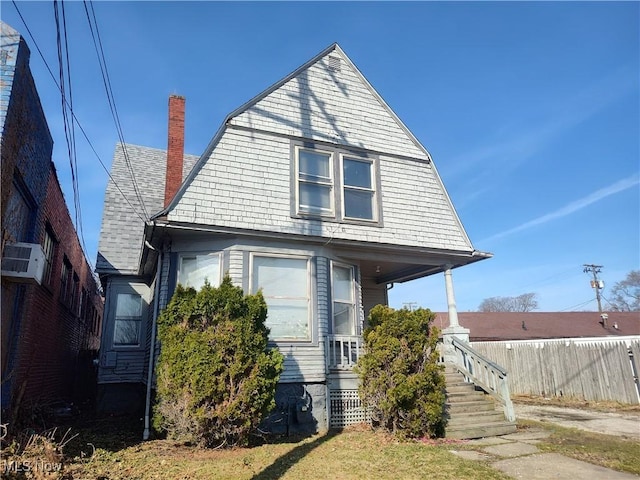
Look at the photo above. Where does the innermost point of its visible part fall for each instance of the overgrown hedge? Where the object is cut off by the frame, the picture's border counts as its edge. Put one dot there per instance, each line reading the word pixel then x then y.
pixel 216 377
pixel 402 383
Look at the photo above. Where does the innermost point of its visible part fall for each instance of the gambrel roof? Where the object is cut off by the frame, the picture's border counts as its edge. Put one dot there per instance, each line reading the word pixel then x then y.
pixel 242 181
pixel 329 102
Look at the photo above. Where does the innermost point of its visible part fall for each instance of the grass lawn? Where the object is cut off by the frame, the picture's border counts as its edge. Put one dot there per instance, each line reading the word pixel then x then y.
pixel 352 454
pixel 117 452
pixel 355 453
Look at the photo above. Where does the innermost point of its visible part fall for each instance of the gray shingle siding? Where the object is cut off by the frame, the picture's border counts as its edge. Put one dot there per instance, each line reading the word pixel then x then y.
pixel 336 107
pixel 246 184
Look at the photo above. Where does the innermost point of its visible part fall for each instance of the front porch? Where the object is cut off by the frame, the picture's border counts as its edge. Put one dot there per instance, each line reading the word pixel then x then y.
pixel 478 384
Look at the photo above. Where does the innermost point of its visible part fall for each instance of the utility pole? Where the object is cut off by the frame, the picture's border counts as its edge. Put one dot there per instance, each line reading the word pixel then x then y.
pixel 411 306
pixel 596 283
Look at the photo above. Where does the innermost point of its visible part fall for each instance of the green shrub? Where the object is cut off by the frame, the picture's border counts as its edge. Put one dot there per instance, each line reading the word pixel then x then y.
pixel 401 382
pixel 216 377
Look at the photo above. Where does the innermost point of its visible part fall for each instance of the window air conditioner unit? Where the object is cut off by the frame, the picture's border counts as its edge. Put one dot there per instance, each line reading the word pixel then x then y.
pixel 23 262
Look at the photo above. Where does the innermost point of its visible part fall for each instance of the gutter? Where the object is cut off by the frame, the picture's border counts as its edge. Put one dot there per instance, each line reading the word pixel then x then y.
pixel 152 351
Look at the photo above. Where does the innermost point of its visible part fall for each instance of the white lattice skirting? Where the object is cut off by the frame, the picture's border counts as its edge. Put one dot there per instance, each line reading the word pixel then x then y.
pixel 345 408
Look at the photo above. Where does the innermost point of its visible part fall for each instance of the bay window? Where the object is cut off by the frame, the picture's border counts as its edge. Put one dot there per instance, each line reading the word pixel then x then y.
pixel 344 307
pixel 285 286
pixel 196 268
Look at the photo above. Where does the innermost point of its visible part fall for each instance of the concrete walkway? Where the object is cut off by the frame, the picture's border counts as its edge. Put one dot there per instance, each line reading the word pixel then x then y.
pixel 517 455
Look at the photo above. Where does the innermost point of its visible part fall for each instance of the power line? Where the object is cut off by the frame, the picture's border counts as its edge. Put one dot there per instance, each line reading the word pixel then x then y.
pixel 84 133
pixel 111 100
pixel 576 306
pixel 67 105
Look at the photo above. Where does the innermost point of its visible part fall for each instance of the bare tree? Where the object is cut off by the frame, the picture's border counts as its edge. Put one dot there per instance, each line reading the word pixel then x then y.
pixel 526 302
pixel 625 295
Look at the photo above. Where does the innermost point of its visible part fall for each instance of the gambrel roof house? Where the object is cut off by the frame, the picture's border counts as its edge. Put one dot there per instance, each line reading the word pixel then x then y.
pixel 314 191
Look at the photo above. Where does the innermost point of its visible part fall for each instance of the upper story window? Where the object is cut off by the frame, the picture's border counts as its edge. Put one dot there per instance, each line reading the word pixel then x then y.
pixel 48 245
pixel 196 268
pixel 65 280
pixel 315 182
pixel 358 184
pixel 73 293
pixel 20 212
pixel 285 286
pixel 335 185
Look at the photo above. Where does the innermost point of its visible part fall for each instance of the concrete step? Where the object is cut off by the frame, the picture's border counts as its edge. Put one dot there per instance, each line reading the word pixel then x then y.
pixel 460 387
pixel 465 396
pixel 469 406
pixel 480 430
pixel 474 418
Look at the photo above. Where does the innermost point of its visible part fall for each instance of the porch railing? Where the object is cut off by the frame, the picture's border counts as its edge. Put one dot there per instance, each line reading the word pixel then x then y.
pixel 342 351
pixel 491 377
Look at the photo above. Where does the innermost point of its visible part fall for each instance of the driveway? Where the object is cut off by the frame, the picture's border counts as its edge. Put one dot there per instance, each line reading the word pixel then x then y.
pixel 618 424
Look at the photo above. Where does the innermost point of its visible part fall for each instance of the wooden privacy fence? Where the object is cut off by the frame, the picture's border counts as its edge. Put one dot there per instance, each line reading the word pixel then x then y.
pixel 593 371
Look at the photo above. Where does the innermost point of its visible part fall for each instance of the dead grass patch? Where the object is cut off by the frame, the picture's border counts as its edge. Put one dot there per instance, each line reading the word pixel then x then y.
pixel 602 406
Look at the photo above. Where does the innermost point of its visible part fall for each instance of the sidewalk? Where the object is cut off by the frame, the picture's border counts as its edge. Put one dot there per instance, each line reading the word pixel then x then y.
pixel 516 454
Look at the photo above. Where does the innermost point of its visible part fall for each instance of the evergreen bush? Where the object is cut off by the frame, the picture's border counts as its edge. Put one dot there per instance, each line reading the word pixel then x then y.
pixel 401 382
pixel 216 377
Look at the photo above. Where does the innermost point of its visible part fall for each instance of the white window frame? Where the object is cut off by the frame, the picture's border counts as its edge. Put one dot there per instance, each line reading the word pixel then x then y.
pixel 310 211
pixel 353 303
pixel 214 282
pixel 372 190
pixel 309 337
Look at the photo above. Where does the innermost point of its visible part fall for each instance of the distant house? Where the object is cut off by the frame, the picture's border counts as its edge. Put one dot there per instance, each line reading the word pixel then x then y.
pixel 51 305
pixel 497 326
pixel 313 191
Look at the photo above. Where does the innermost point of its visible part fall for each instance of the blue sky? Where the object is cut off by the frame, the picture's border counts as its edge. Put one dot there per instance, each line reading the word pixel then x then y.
pixel 530 111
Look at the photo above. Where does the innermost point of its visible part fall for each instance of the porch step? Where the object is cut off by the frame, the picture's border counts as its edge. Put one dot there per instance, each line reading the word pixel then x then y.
pixel 481 431
pixel 471 413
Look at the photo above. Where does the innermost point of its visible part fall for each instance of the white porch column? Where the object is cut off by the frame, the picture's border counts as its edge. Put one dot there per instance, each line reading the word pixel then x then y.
pixel 454 329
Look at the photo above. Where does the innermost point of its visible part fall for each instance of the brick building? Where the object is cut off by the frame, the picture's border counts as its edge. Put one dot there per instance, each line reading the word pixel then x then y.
pixel 51 317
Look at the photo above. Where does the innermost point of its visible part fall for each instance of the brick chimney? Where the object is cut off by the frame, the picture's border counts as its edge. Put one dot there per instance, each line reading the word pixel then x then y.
pixel 175 148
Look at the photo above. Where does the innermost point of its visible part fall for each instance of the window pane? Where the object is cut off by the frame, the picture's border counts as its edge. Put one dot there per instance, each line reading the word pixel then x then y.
pixel 288 318
pixel 194 270
pixel 126 332
pixel 342 284
pixel 48 256
pixel 357 173
pixel 343 323
pixel 358 204
pixel 280 277
pixel 284 283
pixel 17 220
pixel 313 164
pixel 128 305
pixel 314 196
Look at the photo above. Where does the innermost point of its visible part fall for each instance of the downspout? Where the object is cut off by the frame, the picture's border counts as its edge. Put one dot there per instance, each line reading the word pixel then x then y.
pixel 152 352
